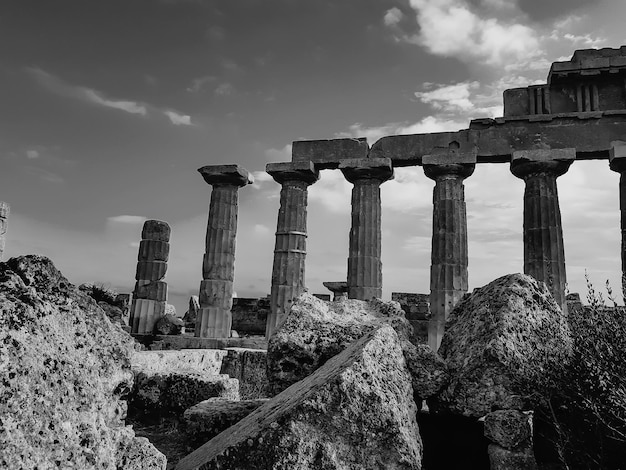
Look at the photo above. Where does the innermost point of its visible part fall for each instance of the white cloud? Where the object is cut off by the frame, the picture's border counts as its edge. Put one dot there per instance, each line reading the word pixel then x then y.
pixel 178 119
pixel 393 16
pixel 127 219
pixel 32 154
pixel 450 28
pixel 261 230
pixel 224 89
pixel 449 98
pixel 95 97
pixel 199 83
pixel 585 40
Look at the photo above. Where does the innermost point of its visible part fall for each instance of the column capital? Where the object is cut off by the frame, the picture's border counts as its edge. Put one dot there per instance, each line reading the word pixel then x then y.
pixel 293 171
pixel 525 163
pixel 355 169
pixel 221 175
pixel 617 156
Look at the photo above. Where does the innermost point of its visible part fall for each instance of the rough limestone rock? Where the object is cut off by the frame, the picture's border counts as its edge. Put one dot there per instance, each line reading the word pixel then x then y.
pixel 114 313
pixel 505 345
pixel 249 367
pixel 504 459
pixel 171 393
pixel 354 412
pixel 314 331
pixel 64 367
pixel 169 325
pixel 203 361
pixel 510 429
pixel 208 418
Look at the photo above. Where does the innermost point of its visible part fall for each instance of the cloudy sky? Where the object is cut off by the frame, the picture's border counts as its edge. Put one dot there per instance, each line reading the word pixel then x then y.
pixel 108 108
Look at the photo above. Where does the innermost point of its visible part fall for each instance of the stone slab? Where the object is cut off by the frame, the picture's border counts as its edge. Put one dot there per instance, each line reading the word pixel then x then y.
pixel 328 153
pixel 226 174
pixel 202 361
pixel 162 342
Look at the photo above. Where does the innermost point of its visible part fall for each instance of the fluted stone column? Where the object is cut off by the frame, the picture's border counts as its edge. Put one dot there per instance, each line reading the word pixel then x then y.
pixel 214 319
pixel 4 216
pixel 448 269
pixel 150 294
pixel 288 271
pixel 617 162
pixel 544 254
pixel 365 275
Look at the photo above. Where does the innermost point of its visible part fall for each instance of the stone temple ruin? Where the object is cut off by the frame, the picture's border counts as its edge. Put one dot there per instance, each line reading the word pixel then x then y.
pixel 577 115
pixel 348 383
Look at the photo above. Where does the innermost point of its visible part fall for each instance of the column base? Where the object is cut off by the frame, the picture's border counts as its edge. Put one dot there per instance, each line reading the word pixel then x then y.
pixel 144 315
pixel 213 322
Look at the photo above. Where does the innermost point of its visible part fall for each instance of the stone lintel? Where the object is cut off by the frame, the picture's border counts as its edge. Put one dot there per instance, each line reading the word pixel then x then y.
pixel 544 155
pixel 354 169
pixel 293 171
pixel 226 175
pixel 328 153
pixel 447 157
pixel 617 156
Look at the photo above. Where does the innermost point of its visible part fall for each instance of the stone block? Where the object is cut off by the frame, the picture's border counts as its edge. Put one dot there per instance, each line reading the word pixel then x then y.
pixel 226 175
pixel 151 270
pixel 510 429
pixel 249 367
pixel 152 290
pixel 356 411
pixel 545 155
pixel 216 293
pixel 208 418
pixel 156 230
pixel 328 153
pixel 504 459
pixel 201 361
pixel 171 393
pixel 153 250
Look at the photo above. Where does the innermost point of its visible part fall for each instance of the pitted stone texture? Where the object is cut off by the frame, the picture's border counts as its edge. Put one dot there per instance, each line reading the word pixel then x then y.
pixel 355 412
pixel 510 429
pixel 64 367
pixel 203 361
pixel 208 418
pixel 249 367
pixel 156 230
pixel 504 459
pixel 171 393
pixel 315 331
pixel 504 345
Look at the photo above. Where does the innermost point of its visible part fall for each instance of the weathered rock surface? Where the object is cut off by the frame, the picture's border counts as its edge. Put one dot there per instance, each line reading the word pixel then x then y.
pixel 314 331
pixel 505 345
pixel 64 367
pixel 504 459
pixel 354 412
pixel 249 367
pixel 510 429
pixel 169 325
pixel 171 393
pixel 202 361
pixel 208 418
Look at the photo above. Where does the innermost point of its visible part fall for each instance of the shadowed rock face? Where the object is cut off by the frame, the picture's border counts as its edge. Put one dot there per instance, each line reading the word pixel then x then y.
pixel 505 345
pixel 354 412
pixel 314 331
pixel 64 367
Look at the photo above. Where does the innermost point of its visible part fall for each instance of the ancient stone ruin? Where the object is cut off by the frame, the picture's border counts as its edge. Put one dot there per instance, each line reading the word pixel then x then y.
pixel 446 380
pixel 5 209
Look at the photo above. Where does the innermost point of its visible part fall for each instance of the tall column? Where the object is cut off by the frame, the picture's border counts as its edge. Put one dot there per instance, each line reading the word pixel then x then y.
pixel 448 269
pixel 617 162
pixel 150 294
pixel 4 215
pixel 214 319
pixel 544 254
pixel 365 275
pixel 288 271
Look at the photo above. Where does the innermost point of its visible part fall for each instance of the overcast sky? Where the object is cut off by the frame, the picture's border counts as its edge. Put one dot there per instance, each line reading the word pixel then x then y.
pixel 108 108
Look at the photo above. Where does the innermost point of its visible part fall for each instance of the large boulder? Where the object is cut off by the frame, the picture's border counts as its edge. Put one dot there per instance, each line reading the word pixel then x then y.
pixel 64 368
pixel 315 330
pixel 355 412
pixel 506 346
